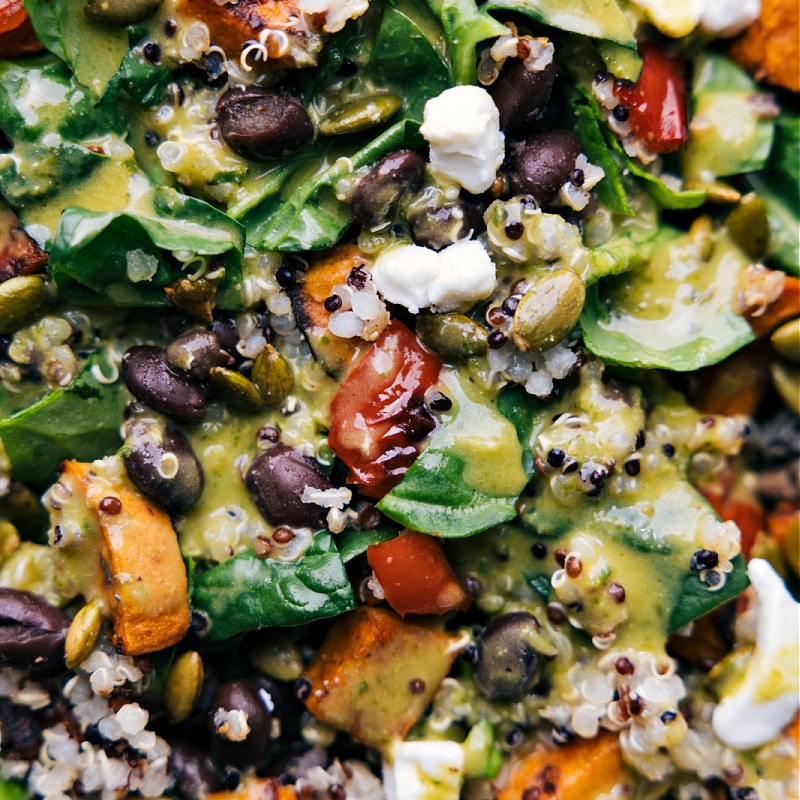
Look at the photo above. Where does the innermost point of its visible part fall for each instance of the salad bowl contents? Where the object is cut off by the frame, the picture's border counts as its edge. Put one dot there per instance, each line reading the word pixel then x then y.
pixel 399 400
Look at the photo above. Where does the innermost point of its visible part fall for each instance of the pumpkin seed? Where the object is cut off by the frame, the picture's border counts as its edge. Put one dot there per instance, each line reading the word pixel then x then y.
pixel 278 656
pixel 235 390
pixel 21 299
pixel 748 226
pixel 82 634
pixel 548 311
pixel 183 686
pixel 120 12
pixel 786 339
pixel 195 298
pixel 272 374
pixel 787 383
pixel 455 337
pixel 359 115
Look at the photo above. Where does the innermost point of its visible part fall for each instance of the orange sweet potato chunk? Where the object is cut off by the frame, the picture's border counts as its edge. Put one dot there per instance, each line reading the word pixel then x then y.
pixel 375 674
pixel 144 586
pixel 582 769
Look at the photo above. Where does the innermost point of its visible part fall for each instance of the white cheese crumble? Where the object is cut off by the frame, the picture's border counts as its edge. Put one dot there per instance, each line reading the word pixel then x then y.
pixel 416 277
pixel 424 770
pixel 718 18
pixel 337 12
pixel 766 699
pixel 462 127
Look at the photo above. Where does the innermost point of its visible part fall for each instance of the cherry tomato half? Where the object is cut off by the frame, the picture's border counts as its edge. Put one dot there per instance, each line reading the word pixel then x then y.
pixel 379 419
pixel 16 32
pixel 656 103
pixel 415 575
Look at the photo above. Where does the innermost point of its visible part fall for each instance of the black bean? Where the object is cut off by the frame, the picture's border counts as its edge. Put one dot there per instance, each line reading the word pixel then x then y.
pixel 542 164
pixel 438 228
pixel 32 630
pixel 20 731
pixel 240 695
pixel 165 468
pixel 196 775
pixel 377 194
pixel 276 480
pixel 508 664
pixel 261 124
pixel 194 352
pixel 150 380
pixel 225 331
pixel 521 96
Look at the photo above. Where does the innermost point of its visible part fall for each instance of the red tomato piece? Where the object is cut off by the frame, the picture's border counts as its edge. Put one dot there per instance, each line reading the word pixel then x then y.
pixel 416 576
pixel 16 32
pixel 379 419
pixel 656 103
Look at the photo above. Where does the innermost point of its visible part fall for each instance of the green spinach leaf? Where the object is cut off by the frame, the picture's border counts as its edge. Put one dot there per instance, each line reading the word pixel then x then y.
pixel 99 256
pixel 81 422
pixel 246 592
pixel 352 543
pixel 671 312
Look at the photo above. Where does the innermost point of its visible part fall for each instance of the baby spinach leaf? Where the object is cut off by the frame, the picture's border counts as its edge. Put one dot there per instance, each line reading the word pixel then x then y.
pixel 469 476
pixel 12 790
pixel 597 19
pixel 96 255
pixel 63 28
pixel 672 312
pixel 729 132
pixel 465 25
pixel 80 421
pixel 144 81
pixel 695 599
pixel 352 543
pixel 49 138
pixel 312 218
pixel 246 592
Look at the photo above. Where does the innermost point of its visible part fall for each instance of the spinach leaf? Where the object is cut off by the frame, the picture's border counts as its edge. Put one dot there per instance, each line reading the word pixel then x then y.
pixel 777 186
pixel 12 790
pixel 63 28
pixel 352 543
pixel 695 600
pixel 49 136
pixel 469 476
pixel 81 422
pixel 728 132
pixel 95 255
pixel 465 25
pixel 312 218
pixel 246 592
pixel 657 316
pixel 144 81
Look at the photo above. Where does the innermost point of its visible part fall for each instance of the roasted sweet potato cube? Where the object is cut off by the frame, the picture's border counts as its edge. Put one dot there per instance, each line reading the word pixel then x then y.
pixel 131 560
pixel 19 253
pixel 308 295
pixel 584 768
pixel 375 674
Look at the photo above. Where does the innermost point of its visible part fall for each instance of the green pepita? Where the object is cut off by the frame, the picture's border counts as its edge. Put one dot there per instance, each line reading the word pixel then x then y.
pixel 21 299
pixel 235 390
pixel 272 374
pixel 195 298
pixel 359 115
pixel 786 339
pixel 183 686
pixel 82 634
pixel 548 311
pixel 748 226
pixel 787 382
pixel 120 13
pixel 278 656
pixel 455 337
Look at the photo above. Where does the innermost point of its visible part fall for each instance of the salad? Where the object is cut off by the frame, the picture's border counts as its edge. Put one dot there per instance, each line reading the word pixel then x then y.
pixel 399 400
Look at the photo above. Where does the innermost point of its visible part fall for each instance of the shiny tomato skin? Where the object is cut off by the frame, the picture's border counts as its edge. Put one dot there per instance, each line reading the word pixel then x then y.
pixel 379 419
pixel 416 576
pixel 656 103
pixel 16 32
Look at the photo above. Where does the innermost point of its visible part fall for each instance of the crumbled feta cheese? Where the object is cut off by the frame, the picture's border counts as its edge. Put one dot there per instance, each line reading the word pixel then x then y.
pixel 719 18
pixel 424 770
pixel 337 12
pixel 417 277
pixel 462 126
pixel 766 699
